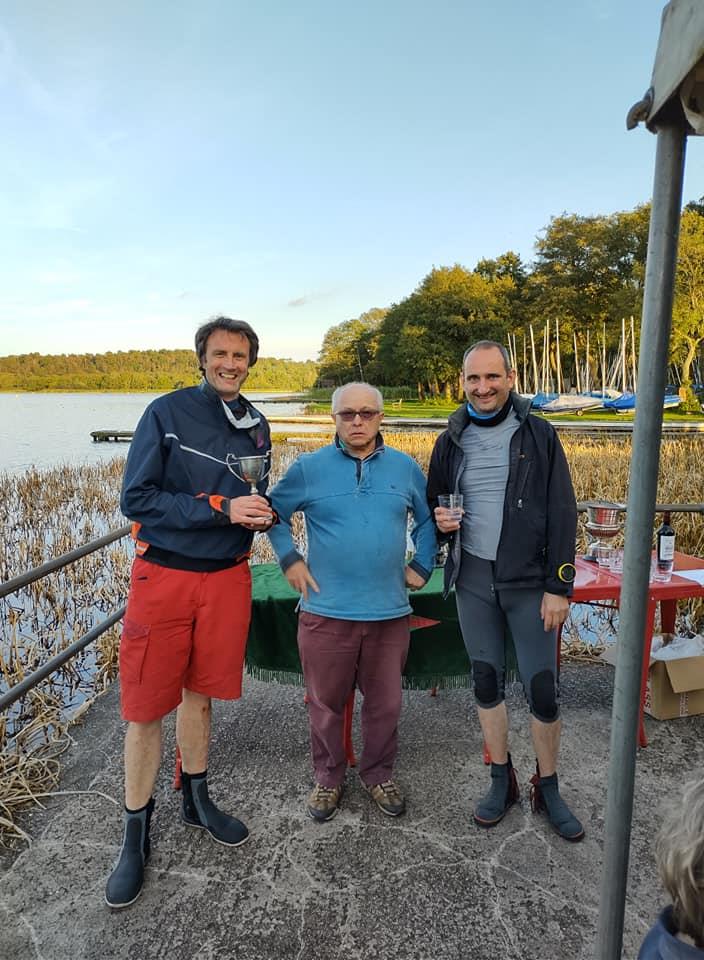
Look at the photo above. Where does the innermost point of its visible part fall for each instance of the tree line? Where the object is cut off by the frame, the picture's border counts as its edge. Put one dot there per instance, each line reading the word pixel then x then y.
pixel 140 370
pixel 588 275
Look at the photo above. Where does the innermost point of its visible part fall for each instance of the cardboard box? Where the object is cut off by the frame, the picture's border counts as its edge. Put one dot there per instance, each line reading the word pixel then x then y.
pixel 675 688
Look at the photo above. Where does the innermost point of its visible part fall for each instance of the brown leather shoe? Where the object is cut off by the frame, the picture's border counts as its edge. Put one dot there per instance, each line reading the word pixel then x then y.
pixel 387 797
pixel 323 802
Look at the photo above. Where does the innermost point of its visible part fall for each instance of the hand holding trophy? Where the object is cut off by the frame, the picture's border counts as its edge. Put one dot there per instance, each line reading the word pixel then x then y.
pixel 252 470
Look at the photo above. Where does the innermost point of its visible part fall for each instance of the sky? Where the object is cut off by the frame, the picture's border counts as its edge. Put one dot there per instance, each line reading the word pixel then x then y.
pixel 295 164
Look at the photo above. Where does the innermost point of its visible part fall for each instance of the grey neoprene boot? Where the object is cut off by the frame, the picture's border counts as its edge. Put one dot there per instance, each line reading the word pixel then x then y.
pixel 198 810
pixel 125 882
pixel 545 798
pixel 502 794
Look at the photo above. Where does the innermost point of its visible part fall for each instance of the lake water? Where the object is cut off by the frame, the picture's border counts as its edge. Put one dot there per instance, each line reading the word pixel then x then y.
pixel 48 429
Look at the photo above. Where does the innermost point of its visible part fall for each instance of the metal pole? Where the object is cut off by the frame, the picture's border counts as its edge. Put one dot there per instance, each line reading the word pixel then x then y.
pixel 655 336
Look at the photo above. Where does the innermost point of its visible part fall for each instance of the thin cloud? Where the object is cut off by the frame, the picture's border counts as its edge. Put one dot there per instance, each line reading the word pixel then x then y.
pixel 311 297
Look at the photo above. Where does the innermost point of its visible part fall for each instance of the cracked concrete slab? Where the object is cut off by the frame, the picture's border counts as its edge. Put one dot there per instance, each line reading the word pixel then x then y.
pixel 364 886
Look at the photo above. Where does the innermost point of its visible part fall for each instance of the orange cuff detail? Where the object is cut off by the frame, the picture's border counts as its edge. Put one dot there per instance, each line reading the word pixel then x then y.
pixel 221 504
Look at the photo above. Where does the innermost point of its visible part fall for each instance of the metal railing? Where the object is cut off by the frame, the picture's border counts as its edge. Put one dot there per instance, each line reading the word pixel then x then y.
pixel 12 586
pixel 56 662
pixel 17 583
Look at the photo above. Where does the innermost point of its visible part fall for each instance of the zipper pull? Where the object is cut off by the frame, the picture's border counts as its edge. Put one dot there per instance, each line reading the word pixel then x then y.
pixel 520 504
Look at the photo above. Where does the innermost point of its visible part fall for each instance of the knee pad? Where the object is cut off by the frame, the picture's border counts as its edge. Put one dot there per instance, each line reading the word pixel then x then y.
pixel 487 689
pixel 543 697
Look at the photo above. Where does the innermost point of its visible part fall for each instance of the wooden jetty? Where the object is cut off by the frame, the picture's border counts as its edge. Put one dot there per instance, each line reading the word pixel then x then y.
pixel 106 436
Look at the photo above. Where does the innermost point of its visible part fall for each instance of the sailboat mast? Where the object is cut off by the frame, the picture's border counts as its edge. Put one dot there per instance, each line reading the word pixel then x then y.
pixel 623 355
pixel 587 370
pixel 535 360
pixel 557 353
pixel 576 362
pixel 633 354
pixel 546 356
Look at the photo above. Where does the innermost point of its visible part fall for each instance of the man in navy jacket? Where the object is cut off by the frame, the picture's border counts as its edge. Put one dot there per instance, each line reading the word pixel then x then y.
pixel 188 610
pixel 511 563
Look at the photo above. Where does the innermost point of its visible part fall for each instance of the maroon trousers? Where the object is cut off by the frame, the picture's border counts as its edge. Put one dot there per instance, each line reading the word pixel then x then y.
pixel 335 655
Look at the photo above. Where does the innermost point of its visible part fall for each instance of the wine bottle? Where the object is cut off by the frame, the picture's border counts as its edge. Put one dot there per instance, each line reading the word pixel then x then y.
pixel 665 549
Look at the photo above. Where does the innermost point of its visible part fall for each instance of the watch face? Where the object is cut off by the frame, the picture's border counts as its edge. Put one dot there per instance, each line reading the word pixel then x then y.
pixel 566 572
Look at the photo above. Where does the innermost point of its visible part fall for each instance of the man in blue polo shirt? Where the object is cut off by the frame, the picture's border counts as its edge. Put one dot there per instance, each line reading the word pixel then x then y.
pixel 356 494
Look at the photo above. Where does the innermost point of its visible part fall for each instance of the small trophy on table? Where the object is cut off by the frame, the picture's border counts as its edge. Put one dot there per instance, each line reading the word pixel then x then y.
pixel 250 469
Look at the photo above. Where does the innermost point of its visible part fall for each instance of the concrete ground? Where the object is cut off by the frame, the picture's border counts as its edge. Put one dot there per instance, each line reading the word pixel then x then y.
pixel 364 886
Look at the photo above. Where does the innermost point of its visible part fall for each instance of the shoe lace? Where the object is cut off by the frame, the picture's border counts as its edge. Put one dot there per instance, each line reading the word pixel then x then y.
pixel 323 794
pixel 390 791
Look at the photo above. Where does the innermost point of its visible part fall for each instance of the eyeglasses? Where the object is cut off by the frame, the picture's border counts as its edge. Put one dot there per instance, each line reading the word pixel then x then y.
pixel 349 415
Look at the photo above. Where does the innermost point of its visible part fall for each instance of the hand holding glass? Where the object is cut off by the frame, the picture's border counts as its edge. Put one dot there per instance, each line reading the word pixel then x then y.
pixel 453 503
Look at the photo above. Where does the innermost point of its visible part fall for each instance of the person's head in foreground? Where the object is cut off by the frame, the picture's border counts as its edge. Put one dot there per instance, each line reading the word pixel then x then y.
pixel 679 852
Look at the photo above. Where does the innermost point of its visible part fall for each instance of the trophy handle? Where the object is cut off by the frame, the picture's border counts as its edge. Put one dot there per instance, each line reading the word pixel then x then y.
pixel 232 462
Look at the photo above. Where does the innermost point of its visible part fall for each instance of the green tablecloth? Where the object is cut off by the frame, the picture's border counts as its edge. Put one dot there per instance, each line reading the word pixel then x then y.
pixel 437 656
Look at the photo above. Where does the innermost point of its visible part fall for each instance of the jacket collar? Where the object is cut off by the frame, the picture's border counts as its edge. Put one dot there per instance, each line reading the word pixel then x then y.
pixel 246 422
pixel 459 420
pixel 378 448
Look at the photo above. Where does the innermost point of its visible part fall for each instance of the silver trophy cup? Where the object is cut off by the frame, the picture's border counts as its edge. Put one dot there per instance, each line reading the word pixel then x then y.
pixel 603 525
pixel 250 469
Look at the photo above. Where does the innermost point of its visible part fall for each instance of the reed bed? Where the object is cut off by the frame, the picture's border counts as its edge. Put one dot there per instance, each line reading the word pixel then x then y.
pixel 49 512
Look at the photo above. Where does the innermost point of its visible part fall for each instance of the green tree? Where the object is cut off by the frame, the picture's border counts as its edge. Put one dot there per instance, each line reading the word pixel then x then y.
pixel 349 349
pixel 589 275
pixel 140 370
pixel 688 308
pixel 423 337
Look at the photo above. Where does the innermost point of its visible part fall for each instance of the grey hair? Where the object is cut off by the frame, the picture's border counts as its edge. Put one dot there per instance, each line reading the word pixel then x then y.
pixel 489 345
pixel 230 326
pixel 340 390
pixel 680 855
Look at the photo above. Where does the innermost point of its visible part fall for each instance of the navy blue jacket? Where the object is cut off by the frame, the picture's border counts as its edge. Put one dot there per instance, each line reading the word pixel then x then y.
pixel 539 524
pixel 661 943
pixel 177 473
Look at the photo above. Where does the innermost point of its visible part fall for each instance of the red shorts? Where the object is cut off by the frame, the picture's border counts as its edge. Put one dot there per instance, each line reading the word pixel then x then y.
pixel 182 629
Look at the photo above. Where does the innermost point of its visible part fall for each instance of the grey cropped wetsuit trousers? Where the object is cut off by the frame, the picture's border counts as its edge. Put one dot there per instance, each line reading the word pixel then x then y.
pixel 485 615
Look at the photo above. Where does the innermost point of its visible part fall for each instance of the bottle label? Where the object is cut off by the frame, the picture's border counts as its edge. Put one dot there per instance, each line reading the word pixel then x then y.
pixel 666 547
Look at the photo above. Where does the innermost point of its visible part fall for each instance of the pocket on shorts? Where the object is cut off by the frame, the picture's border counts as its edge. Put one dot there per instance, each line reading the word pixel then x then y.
pixel 133 650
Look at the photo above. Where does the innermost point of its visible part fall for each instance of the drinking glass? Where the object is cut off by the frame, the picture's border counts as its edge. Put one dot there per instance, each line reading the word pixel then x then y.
pixel 453 502
pixel 604 555
pixel 662 570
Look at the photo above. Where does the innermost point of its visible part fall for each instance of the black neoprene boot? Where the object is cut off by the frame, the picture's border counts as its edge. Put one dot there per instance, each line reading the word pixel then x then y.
pixel 503 793
pixel 198 810
pixel 125 882
pixel 545 798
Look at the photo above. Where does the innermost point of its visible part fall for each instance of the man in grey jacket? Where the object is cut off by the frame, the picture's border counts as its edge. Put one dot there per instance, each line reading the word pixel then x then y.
pixel 512 566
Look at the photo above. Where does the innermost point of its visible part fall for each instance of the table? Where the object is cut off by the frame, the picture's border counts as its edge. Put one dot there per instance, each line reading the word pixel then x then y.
pixel 593 583
pixel 436 658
